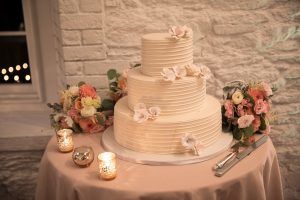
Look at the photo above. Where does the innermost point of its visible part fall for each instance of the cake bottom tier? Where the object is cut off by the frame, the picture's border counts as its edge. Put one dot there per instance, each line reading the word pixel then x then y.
pixel 163 135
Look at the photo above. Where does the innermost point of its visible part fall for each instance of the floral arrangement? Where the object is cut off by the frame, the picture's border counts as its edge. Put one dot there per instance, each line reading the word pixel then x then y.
pixel 246 109
pixel 81 109
pixel 142 113
pixel 176 72
pixel 178 32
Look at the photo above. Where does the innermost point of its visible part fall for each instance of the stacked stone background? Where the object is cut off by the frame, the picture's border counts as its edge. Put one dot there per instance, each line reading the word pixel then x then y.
pixel 236 39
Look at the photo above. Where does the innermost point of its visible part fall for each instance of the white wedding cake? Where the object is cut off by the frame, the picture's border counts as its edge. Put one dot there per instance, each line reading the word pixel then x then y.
pixel 167 102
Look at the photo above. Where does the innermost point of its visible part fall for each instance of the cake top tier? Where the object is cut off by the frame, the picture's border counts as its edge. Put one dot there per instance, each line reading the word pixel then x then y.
pixel 162 50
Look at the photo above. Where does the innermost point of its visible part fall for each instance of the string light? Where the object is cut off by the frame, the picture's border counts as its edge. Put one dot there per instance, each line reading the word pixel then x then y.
pixel 3 71
pixel 10 69
pixel 16 78
pixel 25 65
pixel 6 78
pixel 27 77
pixel 18 67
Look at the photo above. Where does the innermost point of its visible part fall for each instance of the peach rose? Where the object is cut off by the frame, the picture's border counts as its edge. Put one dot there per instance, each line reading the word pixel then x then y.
pixel 87 90
pixel 89 126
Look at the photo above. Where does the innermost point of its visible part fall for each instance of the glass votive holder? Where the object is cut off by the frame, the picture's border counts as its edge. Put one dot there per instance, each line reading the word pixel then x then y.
pixel 83 156
pixel 65 140
pixel 107 165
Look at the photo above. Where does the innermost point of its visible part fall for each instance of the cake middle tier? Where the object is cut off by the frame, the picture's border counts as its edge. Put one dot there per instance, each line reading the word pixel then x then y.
pixel 163 135
pixel 173 98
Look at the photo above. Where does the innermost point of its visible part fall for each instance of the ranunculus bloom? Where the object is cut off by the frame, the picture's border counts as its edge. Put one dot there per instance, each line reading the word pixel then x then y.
pixel 87 90
pixel 168 75
pixel 267 89
pixel 237 97
pixel 256 93
pixel 88 111
pixel 229 109
pixel 89 126
pixel 240 110
pixel 256 123
pixel 261 106
pixel 245 121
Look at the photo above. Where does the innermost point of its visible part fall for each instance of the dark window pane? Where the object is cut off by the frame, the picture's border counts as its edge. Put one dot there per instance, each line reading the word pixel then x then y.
pixel 13 55
pixel 11 15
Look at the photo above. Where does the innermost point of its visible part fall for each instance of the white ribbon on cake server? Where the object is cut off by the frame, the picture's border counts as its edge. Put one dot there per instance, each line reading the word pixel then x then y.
pixel 189 141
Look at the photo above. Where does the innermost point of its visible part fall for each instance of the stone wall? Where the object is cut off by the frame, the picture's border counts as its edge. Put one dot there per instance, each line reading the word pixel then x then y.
pixel 236 39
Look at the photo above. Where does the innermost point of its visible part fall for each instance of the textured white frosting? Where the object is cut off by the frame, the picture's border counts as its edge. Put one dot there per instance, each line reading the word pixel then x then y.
pixel 160 50
pixel 173 98
pixel 163 135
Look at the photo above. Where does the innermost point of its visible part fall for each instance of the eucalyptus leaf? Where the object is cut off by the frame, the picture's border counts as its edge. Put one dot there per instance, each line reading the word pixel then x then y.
pixel 263 124
pixel 237 133
pixel 111 74
pixel 107 104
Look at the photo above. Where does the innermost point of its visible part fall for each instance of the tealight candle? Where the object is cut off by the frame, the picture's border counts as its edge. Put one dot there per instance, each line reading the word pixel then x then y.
pixel 65 140
pixel 107 165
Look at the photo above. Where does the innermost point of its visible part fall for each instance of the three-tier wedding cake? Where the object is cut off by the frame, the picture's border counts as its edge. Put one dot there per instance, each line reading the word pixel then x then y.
pixel 167 107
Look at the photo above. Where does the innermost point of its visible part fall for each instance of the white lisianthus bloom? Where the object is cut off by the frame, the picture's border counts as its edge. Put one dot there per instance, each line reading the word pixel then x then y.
pixel 74 90
pixel 88 111
pixel 168 75
pixel 154 112
pixel 237 97
pixel 180 72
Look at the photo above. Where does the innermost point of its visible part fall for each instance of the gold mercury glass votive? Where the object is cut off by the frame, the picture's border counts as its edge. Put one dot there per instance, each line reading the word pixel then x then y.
pixel 107 165
pixel 83 156
pixel 65 140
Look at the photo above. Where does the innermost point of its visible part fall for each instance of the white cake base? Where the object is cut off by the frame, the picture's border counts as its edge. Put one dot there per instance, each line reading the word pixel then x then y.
pixel 109 143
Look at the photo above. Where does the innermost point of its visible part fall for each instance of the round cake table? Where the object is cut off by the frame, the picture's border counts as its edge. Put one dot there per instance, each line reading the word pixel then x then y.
pixel 255 177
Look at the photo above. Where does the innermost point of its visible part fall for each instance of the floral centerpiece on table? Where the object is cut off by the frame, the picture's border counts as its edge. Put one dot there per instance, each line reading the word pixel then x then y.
pixel 246 109
pixel 81 109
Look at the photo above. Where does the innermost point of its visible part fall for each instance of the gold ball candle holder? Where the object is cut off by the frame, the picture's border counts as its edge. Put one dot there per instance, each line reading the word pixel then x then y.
pixel 107 165
pixel 65 140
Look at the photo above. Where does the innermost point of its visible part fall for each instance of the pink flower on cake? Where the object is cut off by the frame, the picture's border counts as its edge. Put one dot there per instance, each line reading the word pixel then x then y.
pixel 245 121
pixel 154 112
pixel 188 141
pixel 267 89
pixel 229 109
pixel 261 106
pixel 178 32
pixel 140 115
pixel 87 90
pixel 205 72
pixel 168 75
pixel 192 70
pixel 180 72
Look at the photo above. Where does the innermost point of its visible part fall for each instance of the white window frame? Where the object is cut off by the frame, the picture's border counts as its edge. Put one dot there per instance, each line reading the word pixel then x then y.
pixel 43 64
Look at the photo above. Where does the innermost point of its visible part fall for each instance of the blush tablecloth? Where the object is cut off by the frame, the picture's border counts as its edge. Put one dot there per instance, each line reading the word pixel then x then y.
pixel 256 177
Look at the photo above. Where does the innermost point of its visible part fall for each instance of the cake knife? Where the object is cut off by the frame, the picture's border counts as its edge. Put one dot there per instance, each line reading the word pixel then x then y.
pixel 230 156
pixel 240 156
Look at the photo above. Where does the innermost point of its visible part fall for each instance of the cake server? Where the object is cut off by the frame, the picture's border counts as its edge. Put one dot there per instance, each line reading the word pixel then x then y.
pixel 240 156
pixel 230 156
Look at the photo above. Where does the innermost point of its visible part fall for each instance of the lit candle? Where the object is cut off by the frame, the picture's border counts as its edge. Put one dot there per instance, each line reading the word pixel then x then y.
pixel 65 140
pixel 107 165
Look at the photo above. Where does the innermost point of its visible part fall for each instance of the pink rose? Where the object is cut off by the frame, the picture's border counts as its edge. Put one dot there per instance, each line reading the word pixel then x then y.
pixel 87 90
pixel 256 123
pixel 245 121
pixel 261 106
pixel 89 126
pixel 256 94
pixel 74 114
pixel 229 109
